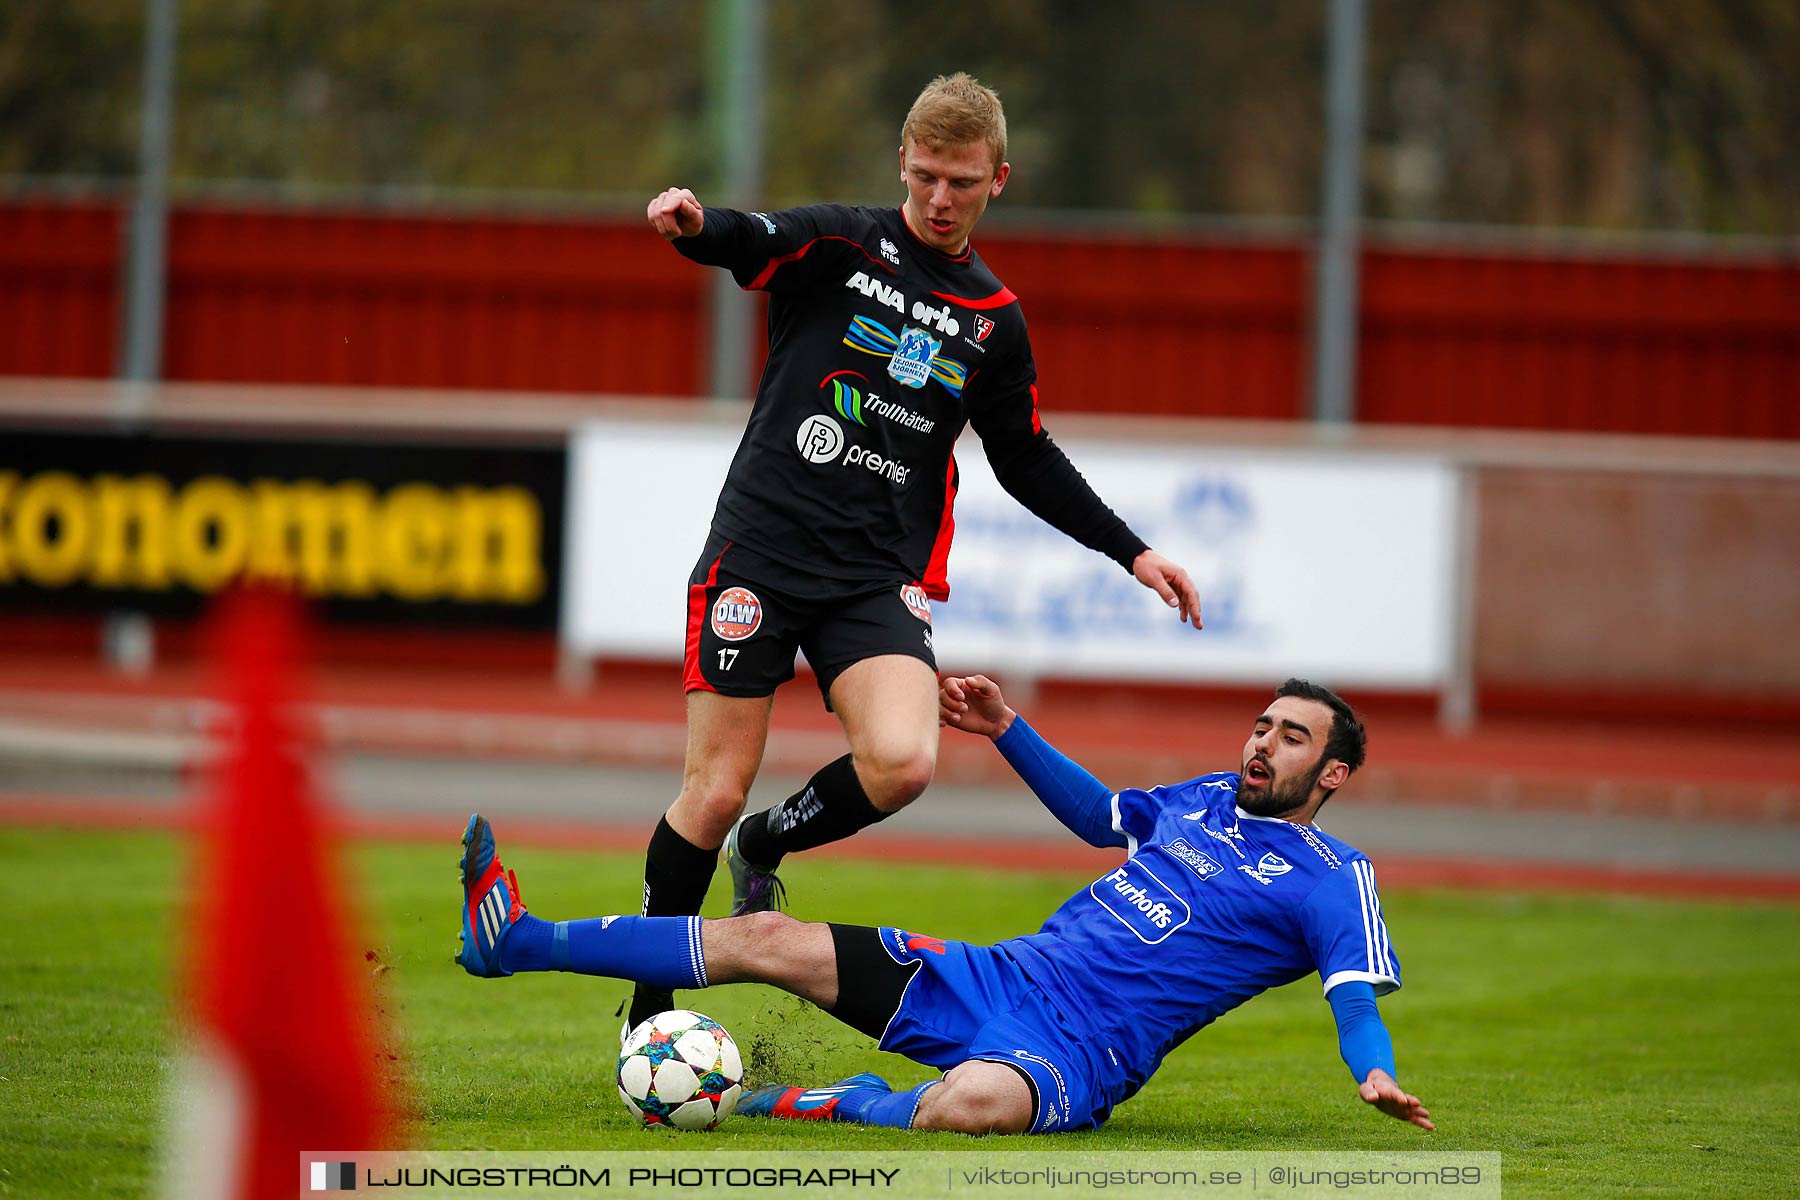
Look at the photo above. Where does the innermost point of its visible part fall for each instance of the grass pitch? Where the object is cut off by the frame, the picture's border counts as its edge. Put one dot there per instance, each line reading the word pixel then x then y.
pixel 1604 1046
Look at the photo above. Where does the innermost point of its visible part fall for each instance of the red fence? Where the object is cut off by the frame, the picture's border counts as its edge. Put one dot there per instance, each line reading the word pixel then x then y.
pixel 1121 322
pixel 59 289
pixel 1177 328
pixel 1616 344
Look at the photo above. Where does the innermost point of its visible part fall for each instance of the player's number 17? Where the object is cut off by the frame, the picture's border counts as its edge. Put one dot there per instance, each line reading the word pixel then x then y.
pixel 727 657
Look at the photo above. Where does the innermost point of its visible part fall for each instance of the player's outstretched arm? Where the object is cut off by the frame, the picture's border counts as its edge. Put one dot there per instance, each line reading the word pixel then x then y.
pixel 1380 1090
pixel 676 214
pixel 1082 803
pixel 1168 580
pixel 973 704
pixel 1369 1052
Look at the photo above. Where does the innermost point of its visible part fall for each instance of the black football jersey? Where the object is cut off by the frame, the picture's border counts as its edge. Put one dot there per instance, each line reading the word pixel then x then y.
pixel 880 350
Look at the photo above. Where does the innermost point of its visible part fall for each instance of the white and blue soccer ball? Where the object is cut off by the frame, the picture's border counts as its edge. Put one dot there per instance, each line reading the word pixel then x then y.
pixel 680 1069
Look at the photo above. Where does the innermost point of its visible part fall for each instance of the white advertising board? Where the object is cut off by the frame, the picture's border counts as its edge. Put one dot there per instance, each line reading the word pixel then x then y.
pixel 1334 565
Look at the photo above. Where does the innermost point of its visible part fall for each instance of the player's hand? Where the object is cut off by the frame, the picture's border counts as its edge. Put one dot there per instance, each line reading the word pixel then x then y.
pixel 676 213
pixel 973 703
pixel 1380 1090
pixel 1169 581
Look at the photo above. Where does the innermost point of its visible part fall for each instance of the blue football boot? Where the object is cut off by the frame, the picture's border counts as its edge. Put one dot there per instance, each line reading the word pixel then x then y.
pixel 491 901
pixel 804 1104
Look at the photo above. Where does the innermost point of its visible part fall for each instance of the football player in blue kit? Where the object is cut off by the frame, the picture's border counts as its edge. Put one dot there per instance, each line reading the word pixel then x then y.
pixel 1227 889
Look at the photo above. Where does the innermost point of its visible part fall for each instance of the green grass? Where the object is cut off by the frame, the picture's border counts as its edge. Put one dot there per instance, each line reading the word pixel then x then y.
pixel 1604 1046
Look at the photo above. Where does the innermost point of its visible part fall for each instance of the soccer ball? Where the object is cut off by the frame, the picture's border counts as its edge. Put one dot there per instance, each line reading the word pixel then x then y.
pixel 680 1069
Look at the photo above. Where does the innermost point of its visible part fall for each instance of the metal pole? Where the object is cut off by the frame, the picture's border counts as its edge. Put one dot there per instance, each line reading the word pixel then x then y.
pixel 128 639
pixel 1457 702
pixel 739 48
pixel 141 361
pixel 1335 301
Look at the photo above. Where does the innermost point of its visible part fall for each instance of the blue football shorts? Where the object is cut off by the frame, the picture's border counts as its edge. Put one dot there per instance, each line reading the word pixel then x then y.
pixel 944 1003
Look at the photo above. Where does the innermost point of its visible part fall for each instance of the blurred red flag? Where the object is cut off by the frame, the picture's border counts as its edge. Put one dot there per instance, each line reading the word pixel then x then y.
pixel 285 1032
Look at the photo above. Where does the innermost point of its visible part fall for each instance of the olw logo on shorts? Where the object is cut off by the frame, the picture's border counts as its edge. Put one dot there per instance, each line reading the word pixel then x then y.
pixel 736 614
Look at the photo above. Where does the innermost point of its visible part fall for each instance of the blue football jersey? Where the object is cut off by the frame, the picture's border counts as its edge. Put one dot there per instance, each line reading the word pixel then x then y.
pixel 1211 907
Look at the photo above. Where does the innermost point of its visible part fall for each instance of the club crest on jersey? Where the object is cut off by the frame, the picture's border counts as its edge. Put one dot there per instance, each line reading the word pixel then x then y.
pixel 911 362
pixel 1268 868
pixel 1273 864
pixel 917 602
pixel 736 614
pixel 983 327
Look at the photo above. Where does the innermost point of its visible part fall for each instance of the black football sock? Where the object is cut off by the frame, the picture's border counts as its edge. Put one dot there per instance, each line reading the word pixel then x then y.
pixel 676 876
pixel 831 806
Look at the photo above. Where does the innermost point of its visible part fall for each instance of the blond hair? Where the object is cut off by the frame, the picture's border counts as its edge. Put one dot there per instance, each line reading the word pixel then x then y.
pixel 955 110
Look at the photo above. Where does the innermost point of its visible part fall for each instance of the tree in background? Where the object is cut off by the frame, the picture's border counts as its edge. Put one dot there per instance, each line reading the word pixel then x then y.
pixel 1611 114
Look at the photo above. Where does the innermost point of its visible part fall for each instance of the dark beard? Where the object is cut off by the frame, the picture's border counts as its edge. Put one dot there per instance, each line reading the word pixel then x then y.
pixel 1283 796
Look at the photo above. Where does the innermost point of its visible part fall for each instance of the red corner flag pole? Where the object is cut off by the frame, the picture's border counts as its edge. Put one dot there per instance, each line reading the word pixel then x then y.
pixel 285 1038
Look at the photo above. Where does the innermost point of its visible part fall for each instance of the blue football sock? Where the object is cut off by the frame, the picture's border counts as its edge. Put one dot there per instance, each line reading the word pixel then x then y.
pixel 526 946
pixel 880 1106
pixel 663 952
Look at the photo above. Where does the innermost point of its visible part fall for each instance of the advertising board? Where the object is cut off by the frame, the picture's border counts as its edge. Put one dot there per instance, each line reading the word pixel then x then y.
pixel 1334 565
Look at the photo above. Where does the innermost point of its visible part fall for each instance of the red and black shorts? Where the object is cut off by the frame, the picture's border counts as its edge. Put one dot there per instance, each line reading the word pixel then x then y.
pixel 747 615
